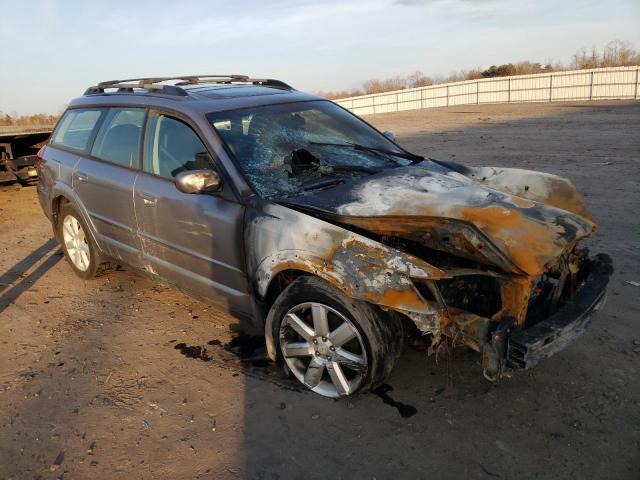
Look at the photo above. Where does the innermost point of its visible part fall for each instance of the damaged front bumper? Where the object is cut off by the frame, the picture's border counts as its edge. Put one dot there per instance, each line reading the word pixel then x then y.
pixel 528 346
pixel 538 317
pixel 516 346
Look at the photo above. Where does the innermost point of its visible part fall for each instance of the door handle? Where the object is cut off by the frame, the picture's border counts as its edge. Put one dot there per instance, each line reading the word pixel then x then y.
pixel 148 199
pixel 82 177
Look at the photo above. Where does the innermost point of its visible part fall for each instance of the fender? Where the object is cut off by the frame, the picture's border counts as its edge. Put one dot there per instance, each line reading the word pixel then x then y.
pixel 362 268
pixel 64 190
pixel 355 274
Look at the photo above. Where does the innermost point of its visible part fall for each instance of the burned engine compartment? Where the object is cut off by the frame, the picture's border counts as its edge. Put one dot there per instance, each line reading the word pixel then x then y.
pixel 480 306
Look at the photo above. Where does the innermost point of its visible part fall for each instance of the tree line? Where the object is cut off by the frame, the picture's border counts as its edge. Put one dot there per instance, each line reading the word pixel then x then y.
pixel 13 118
pixel 614 54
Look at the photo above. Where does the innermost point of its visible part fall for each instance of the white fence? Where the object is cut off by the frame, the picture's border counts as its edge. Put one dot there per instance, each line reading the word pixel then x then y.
pixel 595 84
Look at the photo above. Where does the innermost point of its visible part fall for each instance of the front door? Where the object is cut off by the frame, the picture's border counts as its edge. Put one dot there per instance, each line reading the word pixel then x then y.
pixel 191 240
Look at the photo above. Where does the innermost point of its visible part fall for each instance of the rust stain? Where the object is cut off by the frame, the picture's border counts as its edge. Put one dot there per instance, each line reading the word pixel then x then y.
pixel 570 200
pixel 364 251
pixel 407 299
pixel 515 294
pixel 465 328
pixel 393 224
pixel 310 265
pixel 523 234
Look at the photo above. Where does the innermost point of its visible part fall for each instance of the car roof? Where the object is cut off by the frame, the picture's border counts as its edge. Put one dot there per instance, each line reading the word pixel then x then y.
pixel 198 98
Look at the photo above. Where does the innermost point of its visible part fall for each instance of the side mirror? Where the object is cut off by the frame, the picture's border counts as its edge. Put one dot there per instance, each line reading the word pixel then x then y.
pixel 198 181
pixel 390 135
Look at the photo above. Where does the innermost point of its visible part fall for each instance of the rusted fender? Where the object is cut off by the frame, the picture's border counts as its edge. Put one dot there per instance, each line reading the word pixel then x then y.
pixel 362 268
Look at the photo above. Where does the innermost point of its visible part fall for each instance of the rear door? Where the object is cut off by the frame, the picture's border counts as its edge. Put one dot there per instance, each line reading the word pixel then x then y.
pixel 70 140
pixel 104 182
pixel 191 240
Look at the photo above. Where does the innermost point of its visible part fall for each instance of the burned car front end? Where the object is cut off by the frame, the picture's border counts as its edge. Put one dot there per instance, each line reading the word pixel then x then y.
pixel 516 320
pixel 510 278
pixel 487 258
pixel 512 282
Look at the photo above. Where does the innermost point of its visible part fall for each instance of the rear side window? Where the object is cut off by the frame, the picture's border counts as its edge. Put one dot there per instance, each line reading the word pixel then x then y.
pixel 118 139
pixel 75 128
pixel 173 147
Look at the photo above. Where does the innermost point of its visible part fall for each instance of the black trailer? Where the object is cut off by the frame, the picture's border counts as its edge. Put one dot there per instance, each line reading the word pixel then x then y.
pixel 18 148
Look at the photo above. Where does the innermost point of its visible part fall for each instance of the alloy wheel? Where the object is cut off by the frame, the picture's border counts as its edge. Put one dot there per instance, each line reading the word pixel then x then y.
pixel 323 349
pixel 75 242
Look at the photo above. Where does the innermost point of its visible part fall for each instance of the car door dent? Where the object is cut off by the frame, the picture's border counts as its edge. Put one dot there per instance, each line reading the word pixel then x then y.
pixel 165 243
pixel 199 279
pixel 111 222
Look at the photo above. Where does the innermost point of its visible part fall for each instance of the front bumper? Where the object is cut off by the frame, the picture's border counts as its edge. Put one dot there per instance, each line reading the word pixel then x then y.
pixel 528 346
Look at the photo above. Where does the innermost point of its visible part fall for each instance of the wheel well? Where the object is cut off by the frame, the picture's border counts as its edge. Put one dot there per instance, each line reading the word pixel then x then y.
pixel 56 205
pixel 278 284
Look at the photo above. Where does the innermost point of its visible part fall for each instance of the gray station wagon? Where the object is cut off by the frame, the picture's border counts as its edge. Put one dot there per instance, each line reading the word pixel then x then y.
pixel 300 218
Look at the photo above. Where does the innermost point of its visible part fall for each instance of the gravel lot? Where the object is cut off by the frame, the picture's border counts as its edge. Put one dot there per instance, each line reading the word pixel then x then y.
pixel 93 386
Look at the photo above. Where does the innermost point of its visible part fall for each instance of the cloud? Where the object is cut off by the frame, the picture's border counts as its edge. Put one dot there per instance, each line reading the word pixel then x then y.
pixel 332 44
pixel 414 3
pixel 323 25
pixel 470 11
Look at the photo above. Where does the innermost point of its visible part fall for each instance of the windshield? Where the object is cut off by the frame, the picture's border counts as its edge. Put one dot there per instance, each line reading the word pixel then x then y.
pixel 293 148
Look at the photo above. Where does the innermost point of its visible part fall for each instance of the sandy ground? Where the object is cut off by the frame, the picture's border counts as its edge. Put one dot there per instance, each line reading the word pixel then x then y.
pixel 93 386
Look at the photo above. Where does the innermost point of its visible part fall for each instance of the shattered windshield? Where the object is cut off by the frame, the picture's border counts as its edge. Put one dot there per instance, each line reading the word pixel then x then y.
pixel 293 148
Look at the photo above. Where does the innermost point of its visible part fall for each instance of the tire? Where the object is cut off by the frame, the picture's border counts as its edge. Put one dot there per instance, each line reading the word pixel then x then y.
pixel 79 248
pixel 335 346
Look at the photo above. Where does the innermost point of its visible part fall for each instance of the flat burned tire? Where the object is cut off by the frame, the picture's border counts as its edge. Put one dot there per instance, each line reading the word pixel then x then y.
pixel 79 248
pixel 332 344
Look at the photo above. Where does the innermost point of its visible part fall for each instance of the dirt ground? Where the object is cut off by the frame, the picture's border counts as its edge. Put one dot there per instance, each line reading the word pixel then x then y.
pixel 122 378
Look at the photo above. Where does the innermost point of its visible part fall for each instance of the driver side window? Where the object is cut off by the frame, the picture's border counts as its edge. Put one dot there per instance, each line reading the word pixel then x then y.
pixel 171 147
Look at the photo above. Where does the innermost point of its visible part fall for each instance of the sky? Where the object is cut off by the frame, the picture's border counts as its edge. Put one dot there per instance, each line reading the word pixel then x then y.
pixel 52 50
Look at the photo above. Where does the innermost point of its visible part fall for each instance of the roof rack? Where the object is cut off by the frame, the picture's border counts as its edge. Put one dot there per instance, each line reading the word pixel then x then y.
pixel 156 83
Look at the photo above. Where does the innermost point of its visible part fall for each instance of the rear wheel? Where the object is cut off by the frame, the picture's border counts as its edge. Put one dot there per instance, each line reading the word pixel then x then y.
pixel 78 246
pixel 334 345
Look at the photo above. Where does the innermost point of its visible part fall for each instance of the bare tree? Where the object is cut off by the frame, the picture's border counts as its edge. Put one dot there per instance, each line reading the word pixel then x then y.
pixel 583 59
pixel 8 119
pixel 619 54
pixel 386 85
pixel 615 54
pixel 341 94
pixel 418 79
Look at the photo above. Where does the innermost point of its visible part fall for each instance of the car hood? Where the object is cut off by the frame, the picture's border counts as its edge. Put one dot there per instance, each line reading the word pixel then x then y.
pixel 518 220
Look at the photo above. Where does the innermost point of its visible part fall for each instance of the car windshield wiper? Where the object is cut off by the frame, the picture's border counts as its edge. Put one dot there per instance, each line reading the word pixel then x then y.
pixel 316 184
pixel 357 146
pixel 353 168
pixel 322 182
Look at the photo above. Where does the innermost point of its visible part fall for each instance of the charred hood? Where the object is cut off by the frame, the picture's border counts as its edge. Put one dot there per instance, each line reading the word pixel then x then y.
pixel 517 220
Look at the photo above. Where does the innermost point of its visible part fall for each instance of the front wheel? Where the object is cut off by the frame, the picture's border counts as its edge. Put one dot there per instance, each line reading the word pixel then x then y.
pixel 334 345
